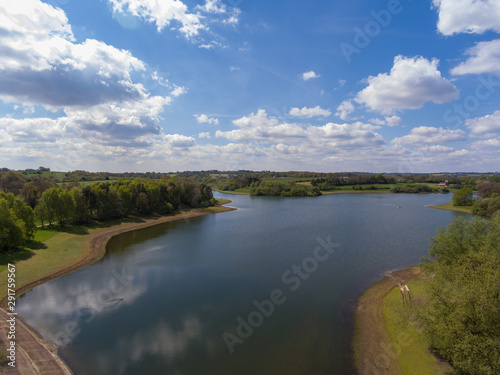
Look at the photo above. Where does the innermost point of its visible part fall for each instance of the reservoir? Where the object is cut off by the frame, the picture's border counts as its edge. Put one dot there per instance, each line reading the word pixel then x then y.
pixel 267 289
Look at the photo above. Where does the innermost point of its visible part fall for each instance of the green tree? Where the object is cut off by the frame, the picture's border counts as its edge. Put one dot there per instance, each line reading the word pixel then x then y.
pixel 463 197
pixel 461 312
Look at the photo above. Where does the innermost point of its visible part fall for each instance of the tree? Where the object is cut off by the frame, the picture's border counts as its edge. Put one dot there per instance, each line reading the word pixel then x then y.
pixel 463 197
pixel 461 313
pixel 11 182
pixel 58 206
pixel 17 224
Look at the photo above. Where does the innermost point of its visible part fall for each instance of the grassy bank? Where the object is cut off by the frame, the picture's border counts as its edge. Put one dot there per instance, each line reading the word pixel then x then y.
pixel 386 340
pixel 58 251
pixel 450 207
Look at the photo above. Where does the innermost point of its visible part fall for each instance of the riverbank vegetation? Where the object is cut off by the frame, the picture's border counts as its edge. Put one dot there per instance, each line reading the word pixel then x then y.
pixel 239 182
pixel 460 316
pixel 451 308
pixel 25 204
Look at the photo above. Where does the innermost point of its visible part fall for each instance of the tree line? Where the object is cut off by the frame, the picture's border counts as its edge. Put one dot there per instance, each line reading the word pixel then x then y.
pixel 279 189
pixel 48 203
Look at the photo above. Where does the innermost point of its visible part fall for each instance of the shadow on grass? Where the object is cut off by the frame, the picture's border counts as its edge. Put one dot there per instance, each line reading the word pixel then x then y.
pixel 14 256
pixel 83 229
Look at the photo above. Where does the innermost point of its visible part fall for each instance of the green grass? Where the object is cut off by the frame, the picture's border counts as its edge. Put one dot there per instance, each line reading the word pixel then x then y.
pixel 415 357
pixel 450 207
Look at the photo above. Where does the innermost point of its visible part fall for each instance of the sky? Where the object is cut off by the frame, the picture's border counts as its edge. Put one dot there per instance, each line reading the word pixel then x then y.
pixel 404 86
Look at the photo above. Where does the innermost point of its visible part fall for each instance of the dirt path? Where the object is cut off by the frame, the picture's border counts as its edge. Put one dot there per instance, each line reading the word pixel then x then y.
pixel 33 355
pixel 371 335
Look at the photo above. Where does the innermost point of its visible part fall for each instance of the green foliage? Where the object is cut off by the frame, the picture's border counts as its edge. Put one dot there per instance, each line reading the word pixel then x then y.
pixel 271 188
pixel 114 200
pixel 461 315
pixel 486 207
pixel 414 189
pixel 17 225
pixel 463 197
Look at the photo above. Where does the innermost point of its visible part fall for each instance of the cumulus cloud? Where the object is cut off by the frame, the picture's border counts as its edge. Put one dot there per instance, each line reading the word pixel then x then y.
pixel 162 13
pixel 263 129
pixel 467 16
pixel 178 91
pixel 345 109
pixel 179 140
pixel 204 135
pixel 310 75
pixel 175 14
pixel 310 112
pixel 484 127
pixel 388 121
pixel 411 83
pixel 204 119
pixel 425 135
pixel 40 64
pixel 484 58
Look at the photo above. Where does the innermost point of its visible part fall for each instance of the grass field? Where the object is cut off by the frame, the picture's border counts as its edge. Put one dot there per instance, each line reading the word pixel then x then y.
pixel 449 206
pixel 414 357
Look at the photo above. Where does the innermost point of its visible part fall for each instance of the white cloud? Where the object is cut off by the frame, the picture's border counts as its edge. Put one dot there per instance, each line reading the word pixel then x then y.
pixel 484 127
pixel 342 82
pixel 162 13
pixel 262 129
pixel 388 121
pixel 310 112
pixel 393 121
pixel 80 75
pixel 484 58
pixel 467 16
pixel 179 140
pixel 217 7
pixel 310 75
pixel 234 68
pixel 204 119
pixel 486 143
pixel 204 135
pixel 178 91
pixel 345 109
pixel 411 83
pixel 428 135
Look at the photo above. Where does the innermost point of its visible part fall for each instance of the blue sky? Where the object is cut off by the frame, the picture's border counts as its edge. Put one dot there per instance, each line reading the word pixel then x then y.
pixel 168 85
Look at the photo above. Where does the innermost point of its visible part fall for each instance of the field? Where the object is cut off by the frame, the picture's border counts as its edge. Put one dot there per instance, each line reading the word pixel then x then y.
pixel 449 206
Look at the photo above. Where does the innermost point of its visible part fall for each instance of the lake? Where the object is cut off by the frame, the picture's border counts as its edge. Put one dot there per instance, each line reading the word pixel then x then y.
pixel 267 289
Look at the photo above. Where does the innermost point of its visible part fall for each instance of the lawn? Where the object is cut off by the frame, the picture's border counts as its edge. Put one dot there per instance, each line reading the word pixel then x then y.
pixel 449 206
pixel 414 357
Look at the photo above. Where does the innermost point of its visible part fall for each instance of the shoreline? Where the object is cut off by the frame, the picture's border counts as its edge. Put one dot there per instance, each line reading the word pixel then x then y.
pixel 95 250
pixel 449 207
pixel 380 344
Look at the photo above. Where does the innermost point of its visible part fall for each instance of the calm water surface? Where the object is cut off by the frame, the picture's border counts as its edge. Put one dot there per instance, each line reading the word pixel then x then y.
pixel 170 299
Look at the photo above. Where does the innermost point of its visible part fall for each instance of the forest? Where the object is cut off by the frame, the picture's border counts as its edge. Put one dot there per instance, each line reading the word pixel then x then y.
pixel 26 204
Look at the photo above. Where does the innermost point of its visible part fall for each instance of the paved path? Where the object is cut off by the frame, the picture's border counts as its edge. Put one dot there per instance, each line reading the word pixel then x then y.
pixel 32 355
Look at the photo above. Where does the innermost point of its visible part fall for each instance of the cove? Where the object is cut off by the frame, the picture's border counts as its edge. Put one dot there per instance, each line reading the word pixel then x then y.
pixel 267 289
